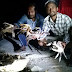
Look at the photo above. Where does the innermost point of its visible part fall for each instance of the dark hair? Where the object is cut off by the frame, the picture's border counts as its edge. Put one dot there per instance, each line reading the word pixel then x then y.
pixel 32 4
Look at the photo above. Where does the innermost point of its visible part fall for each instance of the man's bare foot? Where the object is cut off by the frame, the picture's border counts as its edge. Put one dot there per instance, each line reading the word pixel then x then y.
pixel 23 48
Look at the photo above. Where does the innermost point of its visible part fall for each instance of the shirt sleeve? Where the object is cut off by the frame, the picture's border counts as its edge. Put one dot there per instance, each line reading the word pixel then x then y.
pixel 68 23
pixel 66 38
pixel 22 20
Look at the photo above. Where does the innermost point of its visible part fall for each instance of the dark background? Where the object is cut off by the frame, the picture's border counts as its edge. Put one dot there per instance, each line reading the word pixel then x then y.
pixel 11 11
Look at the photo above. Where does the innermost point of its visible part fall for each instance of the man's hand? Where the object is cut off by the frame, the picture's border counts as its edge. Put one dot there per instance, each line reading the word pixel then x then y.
pixel 63 44
pixel 42 42
pixel 34 37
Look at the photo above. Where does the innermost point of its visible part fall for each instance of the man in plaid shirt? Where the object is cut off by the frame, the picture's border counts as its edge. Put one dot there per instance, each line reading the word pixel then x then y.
pixel 57 23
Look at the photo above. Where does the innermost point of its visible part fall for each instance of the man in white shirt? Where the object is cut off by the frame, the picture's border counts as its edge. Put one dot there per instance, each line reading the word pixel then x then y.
pixel 57 23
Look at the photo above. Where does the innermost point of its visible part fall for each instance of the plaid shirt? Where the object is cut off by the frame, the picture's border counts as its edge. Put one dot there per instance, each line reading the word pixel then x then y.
pixel 60 27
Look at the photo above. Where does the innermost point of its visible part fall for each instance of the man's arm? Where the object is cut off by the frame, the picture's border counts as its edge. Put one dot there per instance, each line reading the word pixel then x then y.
pixel 68 22
pixel 22 20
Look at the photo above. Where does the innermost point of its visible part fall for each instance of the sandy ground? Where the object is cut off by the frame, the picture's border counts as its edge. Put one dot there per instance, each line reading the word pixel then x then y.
pixel 38 61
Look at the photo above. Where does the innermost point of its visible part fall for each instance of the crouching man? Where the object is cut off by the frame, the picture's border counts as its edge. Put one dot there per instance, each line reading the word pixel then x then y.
pixel 57 24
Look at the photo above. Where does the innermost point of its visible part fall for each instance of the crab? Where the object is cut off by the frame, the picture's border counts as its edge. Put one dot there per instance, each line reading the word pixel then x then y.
pixel 7 27
pixel 57 47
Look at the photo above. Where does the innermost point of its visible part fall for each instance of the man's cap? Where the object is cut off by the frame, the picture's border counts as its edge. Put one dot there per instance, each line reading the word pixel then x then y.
pixel 53 1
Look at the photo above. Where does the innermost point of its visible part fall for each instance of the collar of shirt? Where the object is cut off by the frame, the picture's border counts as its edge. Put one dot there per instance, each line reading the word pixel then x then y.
pixel 55 27
pixel 33 24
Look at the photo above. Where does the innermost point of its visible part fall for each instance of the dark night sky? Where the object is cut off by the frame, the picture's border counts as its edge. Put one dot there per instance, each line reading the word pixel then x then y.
pixel 11 11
